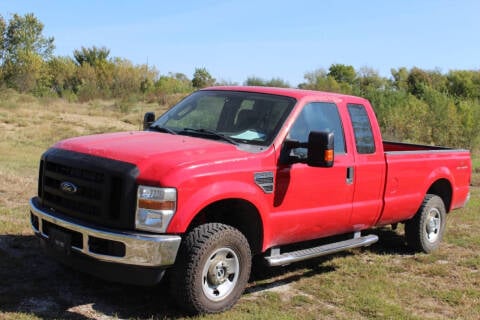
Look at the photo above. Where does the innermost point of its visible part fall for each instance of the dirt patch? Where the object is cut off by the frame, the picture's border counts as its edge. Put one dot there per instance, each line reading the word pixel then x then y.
pixel 15 190
pixel 84 122
pixel 284 290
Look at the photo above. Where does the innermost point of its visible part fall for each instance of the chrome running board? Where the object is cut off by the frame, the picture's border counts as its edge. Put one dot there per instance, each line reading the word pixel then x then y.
pixel 277 259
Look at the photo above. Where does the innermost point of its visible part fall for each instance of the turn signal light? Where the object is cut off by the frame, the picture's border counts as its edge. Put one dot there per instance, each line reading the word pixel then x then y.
pixel 328 156
pixel 156 205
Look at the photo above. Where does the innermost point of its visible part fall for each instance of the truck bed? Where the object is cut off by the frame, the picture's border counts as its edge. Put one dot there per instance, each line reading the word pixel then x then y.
pixel 389 146
pixel 414 170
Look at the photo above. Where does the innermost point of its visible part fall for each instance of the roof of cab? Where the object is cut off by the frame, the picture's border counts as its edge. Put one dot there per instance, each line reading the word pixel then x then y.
pixel 289 92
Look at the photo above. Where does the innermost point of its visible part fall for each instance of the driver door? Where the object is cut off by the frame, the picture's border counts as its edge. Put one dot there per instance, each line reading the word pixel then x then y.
pixel 313 202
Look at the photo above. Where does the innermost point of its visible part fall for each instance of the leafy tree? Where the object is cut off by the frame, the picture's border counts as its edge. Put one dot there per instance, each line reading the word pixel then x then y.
pixel 93 56
pixel 97 58
pixel 339 79
pixel 255 81
pixel 274 82
pixel 202 78
pixel 225 82
pixel 312 79
pixel 277 82
pixel 407 121
pixel 469 117
pixel 149 75
pixel 443 118
pixel 438 81
pixel 369 80
pixel 400 78
pixel 24 50
pixel 126 78
pixel 342 73
pixel 26 73
pixel 418 80
pixel 3 29
pixel 384 102
pixel 173 83
pixel 86 87
pixel 464 84
pixel 24 35
pixel 320 80
pixel 61 75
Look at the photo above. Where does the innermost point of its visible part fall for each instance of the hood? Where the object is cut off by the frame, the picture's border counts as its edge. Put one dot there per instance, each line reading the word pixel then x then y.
pixel 156 151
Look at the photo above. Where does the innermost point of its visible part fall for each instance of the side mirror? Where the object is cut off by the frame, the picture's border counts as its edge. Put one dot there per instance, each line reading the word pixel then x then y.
pixel 320 149
pixel 148 119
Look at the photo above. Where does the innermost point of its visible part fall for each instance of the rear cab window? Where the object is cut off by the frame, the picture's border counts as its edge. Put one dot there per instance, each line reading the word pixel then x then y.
pixel 362 129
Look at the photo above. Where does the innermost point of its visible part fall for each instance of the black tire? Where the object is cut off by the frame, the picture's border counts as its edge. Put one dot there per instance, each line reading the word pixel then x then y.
pixel 425 230
pixel 212 269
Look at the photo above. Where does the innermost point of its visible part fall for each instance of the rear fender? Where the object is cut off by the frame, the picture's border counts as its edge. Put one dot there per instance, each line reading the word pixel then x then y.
pixel 442 173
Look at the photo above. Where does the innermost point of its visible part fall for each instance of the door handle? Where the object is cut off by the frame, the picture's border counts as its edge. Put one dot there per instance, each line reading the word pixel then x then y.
pixel 350 175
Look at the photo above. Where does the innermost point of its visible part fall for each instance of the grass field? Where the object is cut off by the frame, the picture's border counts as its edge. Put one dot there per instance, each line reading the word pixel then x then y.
pixel 384 281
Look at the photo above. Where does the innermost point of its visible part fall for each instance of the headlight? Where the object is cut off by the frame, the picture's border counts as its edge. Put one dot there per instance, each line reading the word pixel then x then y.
pixel 155 208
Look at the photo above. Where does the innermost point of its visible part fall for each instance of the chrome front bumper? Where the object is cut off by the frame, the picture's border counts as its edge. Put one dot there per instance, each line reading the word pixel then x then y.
pixel 138 249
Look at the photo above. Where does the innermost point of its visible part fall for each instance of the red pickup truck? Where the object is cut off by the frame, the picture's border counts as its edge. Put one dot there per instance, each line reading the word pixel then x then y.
pixel 230 173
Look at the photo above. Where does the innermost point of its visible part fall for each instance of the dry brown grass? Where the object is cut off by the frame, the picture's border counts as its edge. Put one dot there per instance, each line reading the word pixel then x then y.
pixel 385 281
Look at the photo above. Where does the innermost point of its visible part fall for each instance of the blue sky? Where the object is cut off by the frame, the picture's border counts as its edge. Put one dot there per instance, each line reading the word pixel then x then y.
pixel 235 40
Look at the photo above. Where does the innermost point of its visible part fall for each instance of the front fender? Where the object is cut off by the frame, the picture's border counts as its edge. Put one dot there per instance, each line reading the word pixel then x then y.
pixel 189 205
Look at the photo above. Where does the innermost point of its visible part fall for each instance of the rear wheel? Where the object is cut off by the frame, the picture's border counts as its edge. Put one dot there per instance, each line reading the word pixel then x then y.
pixel 425 230
pixel 212 270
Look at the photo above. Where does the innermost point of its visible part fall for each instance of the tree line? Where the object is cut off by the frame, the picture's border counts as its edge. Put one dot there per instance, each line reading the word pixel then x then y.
pixel 27 64
pixel 413 105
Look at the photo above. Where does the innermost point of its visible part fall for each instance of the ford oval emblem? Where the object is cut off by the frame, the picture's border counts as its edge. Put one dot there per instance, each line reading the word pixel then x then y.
pixel 68 187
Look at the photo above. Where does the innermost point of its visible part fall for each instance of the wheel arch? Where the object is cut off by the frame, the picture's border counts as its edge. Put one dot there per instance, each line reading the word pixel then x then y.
pixel 238 213
pixel 442 188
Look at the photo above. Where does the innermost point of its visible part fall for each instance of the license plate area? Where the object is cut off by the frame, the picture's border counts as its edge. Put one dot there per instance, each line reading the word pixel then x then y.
pixel 60 241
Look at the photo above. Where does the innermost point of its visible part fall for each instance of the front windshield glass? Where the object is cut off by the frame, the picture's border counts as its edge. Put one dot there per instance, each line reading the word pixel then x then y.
pixel 242 117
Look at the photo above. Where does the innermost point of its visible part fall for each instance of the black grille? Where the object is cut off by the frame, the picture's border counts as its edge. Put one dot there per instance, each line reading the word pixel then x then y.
pixel 102 191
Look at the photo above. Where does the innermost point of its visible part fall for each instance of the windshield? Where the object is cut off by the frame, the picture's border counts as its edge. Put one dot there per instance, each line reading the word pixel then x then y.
pixel 230 116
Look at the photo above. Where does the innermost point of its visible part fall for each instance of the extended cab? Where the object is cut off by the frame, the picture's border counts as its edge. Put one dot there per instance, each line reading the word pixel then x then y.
pixel 235 172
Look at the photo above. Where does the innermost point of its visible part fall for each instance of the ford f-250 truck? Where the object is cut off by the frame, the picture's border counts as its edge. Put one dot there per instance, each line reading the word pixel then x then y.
pixel 230 173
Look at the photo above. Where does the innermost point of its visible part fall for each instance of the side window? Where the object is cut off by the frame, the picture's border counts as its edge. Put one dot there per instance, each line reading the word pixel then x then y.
pixel 318 116
pixel 362 129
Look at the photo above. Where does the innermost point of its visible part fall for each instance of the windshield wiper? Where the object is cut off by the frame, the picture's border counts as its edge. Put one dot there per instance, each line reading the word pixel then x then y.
pixel 212 133
pixel 162 129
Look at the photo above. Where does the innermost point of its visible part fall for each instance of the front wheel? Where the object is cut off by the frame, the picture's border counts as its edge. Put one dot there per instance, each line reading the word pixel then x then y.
pixel 425 230
pixel 212 270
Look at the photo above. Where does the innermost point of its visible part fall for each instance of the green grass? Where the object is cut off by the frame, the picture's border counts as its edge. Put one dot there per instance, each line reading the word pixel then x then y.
pixel 384 281
pixel 476 160
pixel 476 164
